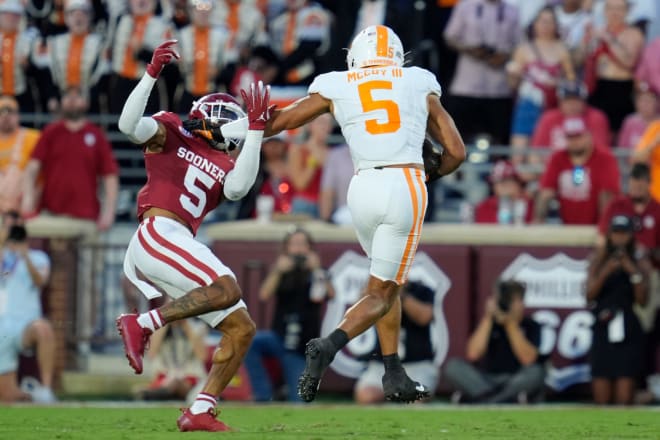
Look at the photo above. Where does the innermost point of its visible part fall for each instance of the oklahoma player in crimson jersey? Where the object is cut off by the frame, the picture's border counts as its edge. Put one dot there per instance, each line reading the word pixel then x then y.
pixel 189 172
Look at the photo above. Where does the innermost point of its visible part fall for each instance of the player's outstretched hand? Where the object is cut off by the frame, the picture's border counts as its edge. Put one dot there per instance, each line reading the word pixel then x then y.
pixel 163 55
pixel 257 102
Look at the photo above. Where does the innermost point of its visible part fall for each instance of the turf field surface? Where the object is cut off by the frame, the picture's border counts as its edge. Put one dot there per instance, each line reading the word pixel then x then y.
pixel 319 422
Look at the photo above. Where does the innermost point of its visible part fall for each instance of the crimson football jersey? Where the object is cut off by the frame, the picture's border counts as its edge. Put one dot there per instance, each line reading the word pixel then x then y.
pixel 187 177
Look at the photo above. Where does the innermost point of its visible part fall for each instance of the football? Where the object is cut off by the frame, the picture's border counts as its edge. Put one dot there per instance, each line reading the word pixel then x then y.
pixel 432 160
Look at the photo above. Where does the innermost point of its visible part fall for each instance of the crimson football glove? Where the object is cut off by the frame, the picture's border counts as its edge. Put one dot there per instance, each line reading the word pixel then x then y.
pixel 162 55
pixel 432 161
pixel 257 101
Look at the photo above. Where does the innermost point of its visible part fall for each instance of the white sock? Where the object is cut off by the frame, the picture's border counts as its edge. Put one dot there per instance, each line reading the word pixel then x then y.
pixel 150 320
pixel 203 403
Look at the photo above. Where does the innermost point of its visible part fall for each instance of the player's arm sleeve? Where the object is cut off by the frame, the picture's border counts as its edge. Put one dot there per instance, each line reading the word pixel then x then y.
pixel 241 178
pixel 139 129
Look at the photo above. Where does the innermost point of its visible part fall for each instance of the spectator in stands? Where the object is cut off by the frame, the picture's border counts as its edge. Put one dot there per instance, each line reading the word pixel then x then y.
pixel 299 285
pixel 245 23
pixel 582 177
pixel 306 162
pixel 177 12
pixel 617 278
pixel 299 36
pixel 610 56
pixel 502 357
pixel 16 45
pixel 136 35
pixel 335 179
pixel 537 66
pixel 635 124
pixel 647 152
pixel 572 95
pixel 648 69
pixel 25 272
pixel 261 66
pixel 549 131
pixel 485 33
pixel 644 212
pixel 204 52
pixel 416 318
pixel 572 18
pixel 640 12
pixel 72 156
pixel 638 205
pixel 528 11
pixel 509 204
pixel 272 180
pixel 77 58
pixel 16 145
pixel 177 354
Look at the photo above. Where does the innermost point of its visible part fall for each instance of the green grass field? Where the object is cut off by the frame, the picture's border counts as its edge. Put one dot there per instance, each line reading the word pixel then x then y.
pixel 345 422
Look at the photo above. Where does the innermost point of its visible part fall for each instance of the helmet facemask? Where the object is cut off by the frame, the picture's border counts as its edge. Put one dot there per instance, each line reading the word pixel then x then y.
pixel 207 117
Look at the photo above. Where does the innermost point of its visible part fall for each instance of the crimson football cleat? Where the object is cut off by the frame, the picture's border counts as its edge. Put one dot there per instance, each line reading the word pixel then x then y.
pixel 135 339
pixel 201 422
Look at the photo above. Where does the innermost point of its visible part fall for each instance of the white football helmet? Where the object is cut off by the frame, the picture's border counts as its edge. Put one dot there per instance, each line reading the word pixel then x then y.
pixel 375 46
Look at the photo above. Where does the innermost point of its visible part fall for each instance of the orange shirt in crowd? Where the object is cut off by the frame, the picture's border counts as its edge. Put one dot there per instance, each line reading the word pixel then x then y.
pixel 30 138
pixel 652 134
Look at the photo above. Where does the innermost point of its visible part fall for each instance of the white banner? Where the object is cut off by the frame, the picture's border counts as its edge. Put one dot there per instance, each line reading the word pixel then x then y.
pixel 350 274
pixel 557 282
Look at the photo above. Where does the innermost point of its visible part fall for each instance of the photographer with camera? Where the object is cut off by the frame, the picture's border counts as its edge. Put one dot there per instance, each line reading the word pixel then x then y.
pixel 505 344
pixel 24 273
pixel 299 285
pixel 618 278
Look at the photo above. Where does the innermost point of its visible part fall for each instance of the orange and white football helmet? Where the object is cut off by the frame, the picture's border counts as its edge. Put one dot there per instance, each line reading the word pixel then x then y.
pixel 375 46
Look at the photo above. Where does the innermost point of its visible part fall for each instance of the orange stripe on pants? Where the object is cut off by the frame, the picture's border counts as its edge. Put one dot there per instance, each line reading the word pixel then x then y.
pixel 411 235
pixel 422 186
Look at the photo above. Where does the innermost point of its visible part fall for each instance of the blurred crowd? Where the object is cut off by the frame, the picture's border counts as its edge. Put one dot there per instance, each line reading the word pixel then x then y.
pixel 560 83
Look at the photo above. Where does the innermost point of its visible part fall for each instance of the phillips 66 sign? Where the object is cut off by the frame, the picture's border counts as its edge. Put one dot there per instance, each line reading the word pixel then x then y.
pixel 349 277
pixel 556 298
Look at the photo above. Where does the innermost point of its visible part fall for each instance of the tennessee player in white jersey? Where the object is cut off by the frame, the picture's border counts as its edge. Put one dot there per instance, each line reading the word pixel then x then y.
pixel 384 111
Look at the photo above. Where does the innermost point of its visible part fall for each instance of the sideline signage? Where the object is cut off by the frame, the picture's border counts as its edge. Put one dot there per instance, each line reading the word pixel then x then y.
pixel 349 275
pixel 556 298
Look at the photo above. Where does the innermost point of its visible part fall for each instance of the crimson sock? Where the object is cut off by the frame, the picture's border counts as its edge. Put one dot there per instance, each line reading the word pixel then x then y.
pixel 151 320
pixel 203 403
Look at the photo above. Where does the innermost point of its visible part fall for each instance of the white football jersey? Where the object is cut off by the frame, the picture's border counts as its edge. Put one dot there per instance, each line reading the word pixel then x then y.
pixel 382 111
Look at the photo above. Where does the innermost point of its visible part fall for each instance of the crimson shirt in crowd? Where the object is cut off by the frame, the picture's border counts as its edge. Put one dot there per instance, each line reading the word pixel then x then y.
pixel 71 164
pixel 578 198
pixel 647 223
pixel 549 131
pixel 486 211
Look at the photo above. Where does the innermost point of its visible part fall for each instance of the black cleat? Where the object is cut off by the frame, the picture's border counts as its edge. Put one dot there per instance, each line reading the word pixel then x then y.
pixel 319 353
pixel 398 387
